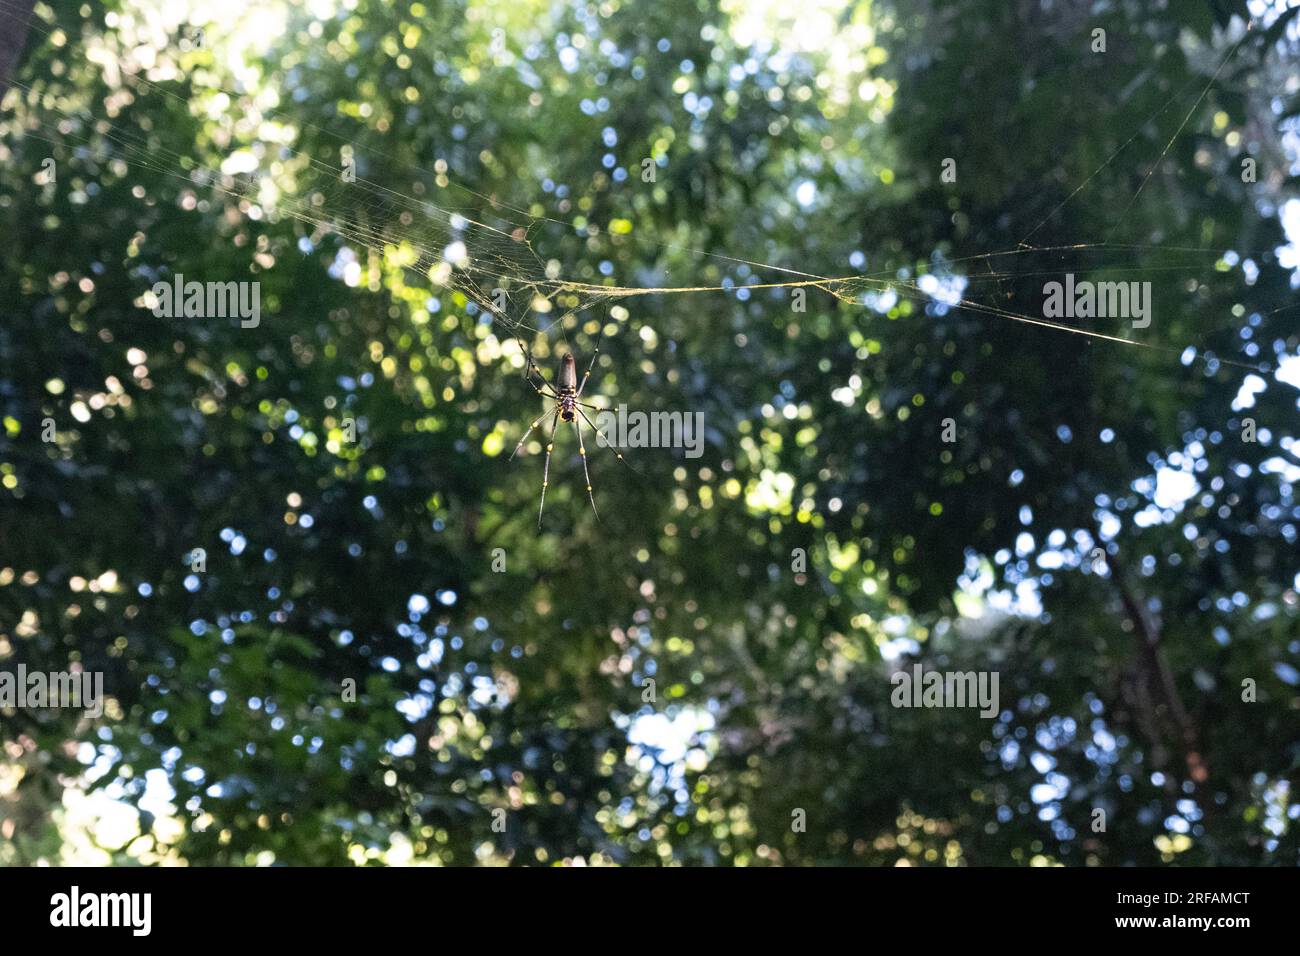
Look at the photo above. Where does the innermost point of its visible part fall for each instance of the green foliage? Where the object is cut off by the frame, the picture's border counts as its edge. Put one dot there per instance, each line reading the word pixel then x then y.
pixel 331 562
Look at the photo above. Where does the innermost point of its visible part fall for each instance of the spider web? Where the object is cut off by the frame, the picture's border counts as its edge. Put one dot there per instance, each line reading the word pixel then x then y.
pixel 486 251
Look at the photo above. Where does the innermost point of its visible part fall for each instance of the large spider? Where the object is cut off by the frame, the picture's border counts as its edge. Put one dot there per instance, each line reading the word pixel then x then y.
pixel 567 408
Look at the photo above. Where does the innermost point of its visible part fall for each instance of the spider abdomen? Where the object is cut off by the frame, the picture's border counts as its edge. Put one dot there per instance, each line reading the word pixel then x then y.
pixel 568 375
pixel 568 388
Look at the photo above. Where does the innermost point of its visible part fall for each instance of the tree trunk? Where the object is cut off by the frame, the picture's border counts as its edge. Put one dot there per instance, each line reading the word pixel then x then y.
pixel 1154 666
pixel 13 37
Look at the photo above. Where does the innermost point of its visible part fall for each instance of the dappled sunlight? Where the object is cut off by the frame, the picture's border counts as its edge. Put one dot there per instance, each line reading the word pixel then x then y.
pixel 516 433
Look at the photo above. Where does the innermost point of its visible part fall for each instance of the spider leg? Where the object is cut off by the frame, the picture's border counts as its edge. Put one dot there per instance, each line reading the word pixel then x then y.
pixel 530 368
pixel 587 374
pixel 546 470
pixel 592 363
pixel 539 420
pixel 601 438
pixel 550 390
pixel 582 453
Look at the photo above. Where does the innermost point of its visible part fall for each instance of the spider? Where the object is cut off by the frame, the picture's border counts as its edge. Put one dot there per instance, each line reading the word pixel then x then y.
pixel 566 407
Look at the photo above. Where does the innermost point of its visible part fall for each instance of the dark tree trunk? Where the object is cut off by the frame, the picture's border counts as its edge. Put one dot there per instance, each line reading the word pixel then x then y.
pixel 13 37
